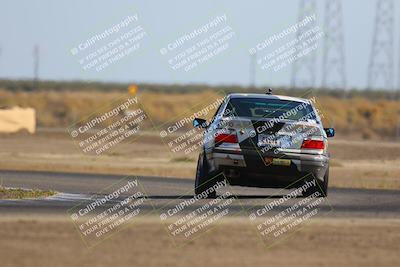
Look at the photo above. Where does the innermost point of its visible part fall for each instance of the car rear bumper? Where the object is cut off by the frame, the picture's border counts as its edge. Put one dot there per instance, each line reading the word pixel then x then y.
pixel 249 167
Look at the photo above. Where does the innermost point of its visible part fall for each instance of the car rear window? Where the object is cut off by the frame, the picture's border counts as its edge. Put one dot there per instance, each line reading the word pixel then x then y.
pixel 271 108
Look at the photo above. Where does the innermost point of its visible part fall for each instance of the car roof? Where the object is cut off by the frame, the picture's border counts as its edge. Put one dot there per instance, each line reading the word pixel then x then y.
pixel 266 96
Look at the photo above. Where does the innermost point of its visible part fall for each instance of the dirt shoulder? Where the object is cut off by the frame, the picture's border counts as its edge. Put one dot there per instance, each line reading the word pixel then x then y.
pixel 322 242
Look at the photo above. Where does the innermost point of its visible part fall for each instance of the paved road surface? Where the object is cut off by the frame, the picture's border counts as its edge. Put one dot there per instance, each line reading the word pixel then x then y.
pixel 165 193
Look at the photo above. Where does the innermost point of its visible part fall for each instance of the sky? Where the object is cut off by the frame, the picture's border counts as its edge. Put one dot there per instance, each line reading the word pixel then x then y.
pixel 57 27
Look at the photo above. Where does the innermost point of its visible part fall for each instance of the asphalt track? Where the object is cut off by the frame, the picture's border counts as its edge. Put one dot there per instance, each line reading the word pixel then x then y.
pixel 163 193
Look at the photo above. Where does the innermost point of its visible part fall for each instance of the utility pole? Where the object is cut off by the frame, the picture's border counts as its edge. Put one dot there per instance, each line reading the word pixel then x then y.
pixel 333 66
pixel 398 77
pixel 381 65
pixel 303 69
pixel 0 51
pixel 35 67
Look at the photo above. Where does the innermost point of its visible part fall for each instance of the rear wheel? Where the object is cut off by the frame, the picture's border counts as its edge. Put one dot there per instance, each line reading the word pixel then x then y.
pixel 203 178
pixel 324 185
pixel 321 187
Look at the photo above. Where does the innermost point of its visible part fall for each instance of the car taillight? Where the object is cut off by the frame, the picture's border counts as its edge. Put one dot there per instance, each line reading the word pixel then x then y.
pixel 225 138
pixel 313 144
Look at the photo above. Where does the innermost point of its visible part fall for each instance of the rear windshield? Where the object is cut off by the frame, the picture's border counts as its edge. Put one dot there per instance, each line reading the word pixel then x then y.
pixel 270 108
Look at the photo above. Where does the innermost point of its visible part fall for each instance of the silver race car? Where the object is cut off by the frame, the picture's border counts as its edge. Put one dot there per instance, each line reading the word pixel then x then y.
pixel 268 141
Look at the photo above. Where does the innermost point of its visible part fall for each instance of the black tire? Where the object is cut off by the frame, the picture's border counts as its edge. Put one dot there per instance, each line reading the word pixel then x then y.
pixel 322 187
pixel 203 178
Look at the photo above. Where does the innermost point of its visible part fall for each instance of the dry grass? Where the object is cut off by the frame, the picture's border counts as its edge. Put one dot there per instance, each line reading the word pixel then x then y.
pixel 360 117
pixel 17 193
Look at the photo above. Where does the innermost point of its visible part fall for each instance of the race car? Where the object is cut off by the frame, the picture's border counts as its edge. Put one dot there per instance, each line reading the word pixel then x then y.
pixel 267 141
